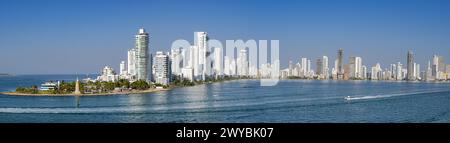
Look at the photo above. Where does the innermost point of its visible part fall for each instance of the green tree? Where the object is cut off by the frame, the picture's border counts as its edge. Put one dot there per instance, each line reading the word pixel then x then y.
pixel 124 83
pixel 140 85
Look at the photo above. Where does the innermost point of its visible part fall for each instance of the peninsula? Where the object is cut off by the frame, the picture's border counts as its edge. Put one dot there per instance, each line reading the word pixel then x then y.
pixel 121 87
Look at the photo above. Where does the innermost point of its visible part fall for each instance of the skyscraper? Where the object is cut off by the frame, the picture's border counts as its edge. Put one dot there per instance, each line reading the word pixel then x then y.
pixel 123 70
pixel 417 71
pixel 340 64
pixel 304 67
pixel 438 67
pixel 142 56
pixel 290 68
pixel 131 62
pixel 376 72
pixel 319 66
pixel 243 63
pixel 162 68
pixel 355 67
pixel 325 68
pixel 218 61
pixel 399 75
pixel 364 71
pixel 410 66
pixel 177 61
pixel 204 66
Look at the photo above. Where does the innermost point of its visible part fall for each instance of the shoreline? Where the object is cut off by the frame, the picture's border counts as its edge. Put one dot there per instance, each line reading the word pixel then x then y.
pixel 13 93
pixel 95 94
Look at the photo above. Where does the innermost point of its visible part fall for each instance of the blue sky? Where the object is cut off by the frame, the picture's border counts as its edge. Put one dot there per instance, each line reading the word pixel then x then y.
pixel 82 36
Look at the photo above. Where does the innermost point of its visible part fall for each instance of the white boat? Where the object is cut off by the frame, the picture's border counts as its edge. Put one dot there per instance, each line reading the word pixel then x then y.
pixel 348 98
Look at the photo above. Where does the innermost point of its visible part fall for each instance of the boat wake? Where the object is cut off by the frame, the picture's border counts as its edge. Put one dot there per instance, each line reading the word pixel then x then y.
pixel 388 95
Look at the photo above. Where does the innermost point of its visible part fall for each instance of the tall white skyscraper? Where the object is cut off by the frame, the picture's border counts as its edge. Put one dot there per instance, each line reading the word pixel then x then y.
pixel 393 71
pixel 143 63
pixel 233 68
pixel 304 68
pixel 201 41
pixel 308 68
pixel 123 70
pixel 162 68
pixel 177 61
pixel 417 70
pixel 195 62
pixel 227 66
pixel 325 68
pixel 364 72
pixel 218 61
pixel 131 62
pixel 399 68
pixel 243 63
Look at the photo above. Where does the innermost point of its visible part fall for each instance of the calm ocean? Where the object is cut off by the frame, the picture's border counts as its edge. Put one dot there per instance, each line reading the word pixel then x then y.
pixel 240 101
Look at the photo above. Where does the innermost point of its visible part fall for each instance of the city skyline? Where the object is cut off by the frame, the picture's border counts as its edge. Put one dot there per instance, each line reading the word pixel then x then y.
pixel 93 38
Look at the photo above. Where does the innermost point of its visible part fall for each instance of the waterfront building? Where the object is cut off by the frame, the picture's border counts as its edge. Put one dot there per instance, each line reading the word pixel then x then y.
pixel 187 74
pixel 340 64
pixel 447 70
pixel 162 68
pixel 131 61
pixel 195 62
pixel 108 75
pixel 290 72
pixel 204 66
pixel 218 62
pixel 399 68
pixel 143 62
pixel 325 68
pixel 346 72
pixel 304 67
pixel 376 73
pixel 49 85
pixel 319 67
pixel 410 66
pixel 243 65
pixel 123 70
pixel 177 61
pixel 417 71
pixel 364 72
pixel 355 67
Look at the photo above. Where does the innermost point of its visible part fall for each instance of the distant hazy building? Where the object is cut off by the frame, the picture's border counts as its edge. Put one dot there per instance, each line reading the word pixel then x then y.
pixel 243 66
pixel 448 71
pixel 399 73
pixel 410 66
pixel 304 67
pixel 376 72
pixel 162 68
pixel 364 72
pixel 187 74
pixel 177 61
pixel 340 64
pixel 319 65
pixel 356 67
pixel 218 62
pixel 325 67
pixel 142 56
pixel 417 71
